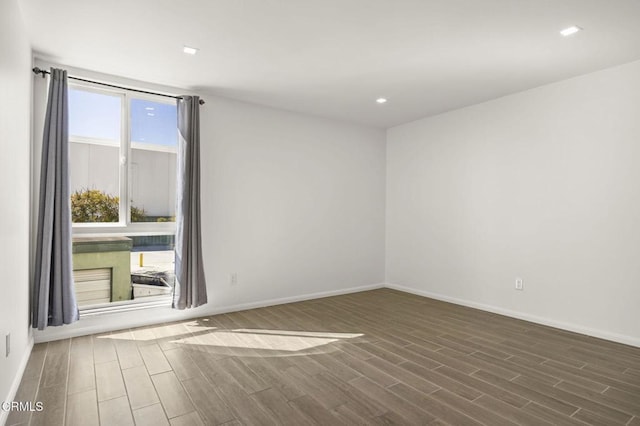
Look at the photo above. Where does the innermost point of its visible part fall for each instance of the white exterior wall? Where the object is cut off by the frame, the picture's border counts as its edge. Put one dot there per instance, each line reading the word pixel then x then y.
pixel 153 181
pixel 153 175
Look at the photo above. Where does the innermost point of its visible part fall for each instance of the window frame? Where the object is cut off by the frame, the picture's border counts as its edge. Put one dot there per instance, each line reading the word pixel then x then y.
pixel 124 226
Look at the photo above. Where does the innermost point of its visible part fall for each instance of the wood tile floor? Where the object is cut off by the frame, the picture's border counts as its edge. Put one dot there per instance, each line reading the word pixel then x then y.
pixel 377 357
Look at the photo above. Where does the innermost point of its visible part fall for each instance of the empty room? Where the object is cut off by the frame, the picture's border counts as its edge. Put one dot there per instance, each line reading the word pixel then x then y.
pixel 320 212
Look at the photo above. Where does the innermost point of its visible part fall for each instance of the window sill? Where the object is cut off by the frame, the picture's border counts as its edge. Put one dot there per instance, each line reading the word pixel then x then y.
pixel 134 229
pixel 163 301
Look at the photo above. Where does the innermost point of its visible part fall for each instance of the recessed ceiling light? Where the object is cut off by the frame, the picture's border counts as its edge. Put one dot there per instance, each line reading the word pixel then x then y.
pixel 570 30
pixel 190 50
pixel 150 114
pixel 149 108
pixel 381 100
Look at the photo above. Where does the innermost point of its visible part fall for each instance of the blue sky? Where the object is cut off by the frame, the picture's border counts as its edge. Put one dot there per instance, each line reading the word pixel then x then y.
pixel 153 122
pixel 98 115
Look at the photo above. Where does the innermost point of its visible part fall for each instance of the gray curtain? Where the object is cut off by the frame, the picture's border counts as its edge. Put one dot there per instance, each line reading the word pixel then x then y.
pixel 191 287
pixel 54 298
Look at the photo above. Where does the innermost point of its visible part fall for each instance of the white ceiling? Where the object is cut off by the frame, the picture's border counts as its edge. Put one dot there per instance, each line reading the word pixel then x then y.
pixel 335 57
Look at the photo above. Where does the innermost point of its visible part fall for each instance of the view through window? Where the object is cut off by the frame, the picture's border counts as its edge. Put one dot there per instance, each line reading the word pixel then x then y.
pixel 123 149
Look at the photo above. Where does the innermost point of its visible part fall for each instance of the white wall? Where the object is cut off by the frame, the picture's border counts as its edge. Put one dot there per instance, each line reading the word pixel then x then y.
pixel 153 181
pixel 15 114
pixel 543 185
pixel 153 175
pixel 293 204
pixel 94 167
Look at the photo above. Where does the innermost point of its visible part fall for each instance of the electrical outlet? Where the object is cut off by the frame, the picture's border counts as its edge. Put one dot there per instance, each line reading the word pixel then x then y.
pixel 8 344
pixel 233 278
pixel 519 284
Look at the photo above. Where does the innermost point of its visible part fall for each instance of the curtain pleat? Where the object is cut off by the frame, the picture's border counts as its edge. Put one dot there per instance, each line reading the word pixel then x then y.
pixel 191 287
pixel 54 299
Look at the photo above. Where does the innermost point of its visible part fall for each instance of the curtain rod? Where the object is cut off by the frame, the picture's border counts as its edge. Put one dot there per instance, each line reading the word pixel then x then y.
pixel 37 70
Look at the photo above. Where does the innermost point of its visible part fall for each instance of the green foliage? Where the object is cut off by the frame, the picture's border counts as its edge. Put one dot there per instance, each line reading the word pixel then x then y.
pixel 138 215
pixel 93 205
pixel 166 219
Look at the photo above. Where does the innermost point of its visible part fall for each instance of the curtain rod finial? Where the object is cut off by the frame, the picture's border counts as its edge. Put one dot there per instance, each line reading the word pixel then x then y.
pixel 37 70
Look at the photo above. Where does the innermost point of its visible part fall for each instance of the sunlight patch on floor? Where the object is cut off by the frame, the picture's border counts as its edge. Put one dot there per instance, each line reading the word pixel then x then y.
pixel 322 334
pixel 193 333
pixel 248 340
pixel 154 333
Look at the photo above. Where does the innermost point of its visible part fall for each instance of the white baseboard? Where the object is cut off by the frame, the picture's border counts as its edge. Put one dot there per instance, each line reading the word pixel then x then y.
pixel 114 321
pixel 606 335
pixel 300 298
pixel 17 379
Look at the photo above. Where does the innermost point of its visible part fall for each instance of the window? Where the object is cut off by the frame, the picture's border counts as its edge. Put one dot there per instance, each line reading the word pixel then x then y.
pixel 123 161
pixel 123 157
pixel 154 139
pixel 95 129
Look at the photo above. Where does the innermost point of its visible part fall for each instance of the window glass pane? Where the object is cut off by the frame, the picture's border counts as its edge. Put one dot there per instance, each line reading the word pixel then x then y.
pixel 154 140
pixel 154 123
pixel 94 152
pixel 123 269
pixel 94 115
pixel 152 264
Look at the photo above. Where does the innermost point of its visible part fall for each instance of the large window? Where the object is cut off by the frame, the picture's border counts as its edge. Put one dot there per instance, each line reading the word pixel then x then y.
pixel 123 154
pixel 123 161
